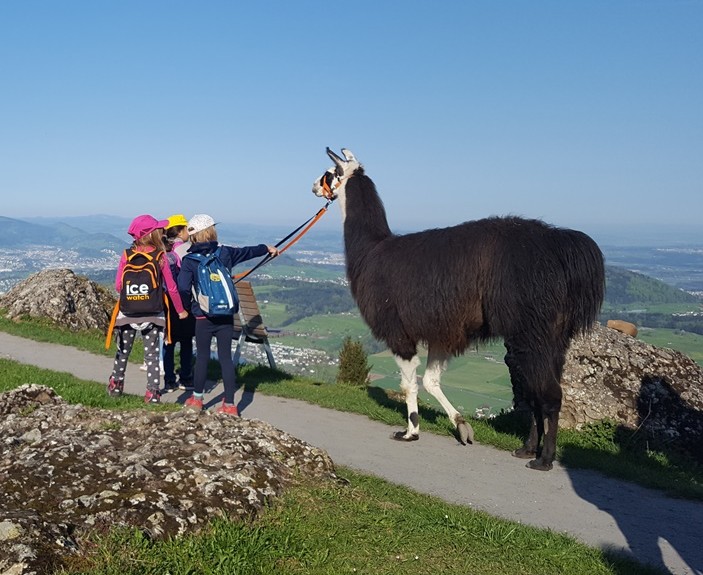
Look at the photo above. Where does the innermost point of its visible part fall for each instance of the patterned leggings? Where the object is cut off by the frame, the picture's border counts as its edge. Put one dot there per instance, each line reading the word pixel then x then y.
pixel 125 342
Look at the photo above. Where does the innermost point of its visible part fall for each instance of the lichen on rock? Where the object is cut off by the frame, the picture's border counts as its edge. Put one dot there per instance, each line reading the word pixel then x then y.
pixel 68 470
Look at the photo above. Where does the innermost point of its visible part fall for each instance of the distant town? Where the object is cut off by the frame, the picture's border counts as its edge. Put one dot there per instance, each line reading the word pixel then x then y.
pixel 18 264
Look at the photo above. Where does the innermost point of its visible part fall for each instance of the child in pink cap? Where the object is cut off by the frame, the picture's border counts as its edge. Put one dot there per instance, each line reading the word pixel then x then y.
pixel 148 233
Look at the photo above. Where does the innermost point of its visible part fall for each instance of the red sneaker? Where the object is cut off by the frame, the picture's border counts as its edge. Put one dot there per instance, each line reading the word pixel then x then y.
pixel 193 403
pixel 228 409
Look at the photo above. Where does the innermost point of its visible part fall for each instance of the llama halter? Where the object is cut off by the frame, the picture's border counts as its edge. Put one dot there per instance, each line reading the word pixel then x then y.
pixel 335 177
pixel 329 182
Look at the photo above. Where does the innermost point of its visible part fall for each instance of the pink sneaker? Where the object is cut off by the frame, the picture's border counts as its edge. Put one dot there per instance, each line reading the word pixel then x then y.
pixel 193 403
pixel 152 397
pixel 228 409
pixel 114 387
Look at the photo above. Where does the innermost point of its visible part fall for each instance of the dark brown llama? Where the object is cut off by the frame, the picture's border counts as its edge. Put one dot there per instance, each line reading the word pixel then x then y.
pixel 532 284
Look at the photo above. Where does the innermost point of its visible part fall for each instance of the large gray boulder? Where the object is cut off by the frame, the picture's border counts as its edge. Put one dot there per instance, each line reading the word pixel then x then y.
pixel 69 300
pixel 608 374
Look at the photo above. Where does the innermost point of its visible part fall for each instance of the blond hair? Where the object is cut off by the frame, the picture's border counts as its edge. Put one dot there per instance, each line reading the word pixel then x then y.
pixel 154 239
pixel 206 235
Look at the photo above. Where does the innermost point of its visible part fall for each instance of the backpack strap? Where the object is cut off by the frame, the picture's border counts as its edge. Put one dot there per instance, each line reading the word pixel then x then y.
pixel 116 309
pixel 167 330
pixel 111 327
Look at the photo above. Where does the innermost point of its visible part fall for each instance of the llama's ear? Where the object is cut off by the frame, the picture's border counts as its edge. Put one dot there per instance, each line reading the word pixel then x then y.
pixel 348 155
pixel 334 157
pixel 338 162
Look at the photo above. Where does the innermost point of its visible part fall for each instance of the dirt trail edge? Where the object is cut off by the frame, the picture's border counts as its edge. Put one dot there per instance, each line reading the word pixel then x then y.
pixel 598 511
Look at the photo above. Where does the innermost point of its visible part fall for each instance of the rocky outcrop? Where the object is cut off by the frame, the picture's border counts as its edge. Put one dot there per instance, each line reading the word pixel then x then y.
pixel 61 296
pixel 611 375
pixel 68 470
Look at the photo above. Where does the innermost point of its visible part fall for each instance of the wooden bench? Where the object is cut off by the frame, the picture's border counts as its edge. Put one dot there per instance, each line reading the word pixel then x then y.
pixel 248 323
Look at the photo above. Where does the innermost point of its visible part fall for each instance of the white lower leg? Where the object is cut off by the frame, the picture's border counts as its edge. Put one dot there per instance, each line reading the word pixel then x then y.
pixel 436 364
pixel 408 383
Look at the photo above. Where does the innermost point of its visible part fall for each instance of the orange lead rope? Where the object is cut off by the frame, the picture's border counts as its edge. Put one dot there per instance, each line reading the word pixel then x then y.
pixel 310 223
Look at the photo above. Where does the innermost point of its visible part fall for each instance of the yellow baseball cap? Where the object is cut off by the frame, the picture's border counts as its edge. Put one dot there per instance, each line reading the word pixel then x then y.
pixel 177 220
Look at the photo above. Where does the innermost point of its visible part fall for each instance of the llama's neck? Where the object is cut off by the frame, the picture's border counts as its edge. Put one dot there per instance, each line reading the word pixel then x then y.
pixel 365 223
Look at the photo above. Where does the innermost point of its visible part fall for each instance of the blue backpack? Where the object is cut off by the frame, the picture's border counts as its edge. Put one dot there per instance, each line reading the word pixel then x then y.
pixel 214 289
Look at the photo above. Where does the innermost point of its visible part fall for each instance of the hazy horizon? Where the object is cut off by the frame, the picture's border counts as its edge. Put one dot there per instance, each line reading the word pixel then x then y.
pixel 634 235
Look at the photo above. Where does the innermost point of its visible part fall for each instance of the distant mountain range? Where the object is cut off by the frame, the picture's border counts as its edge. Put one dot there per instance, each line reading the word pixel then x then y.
pixel 103 227
pixel 19 234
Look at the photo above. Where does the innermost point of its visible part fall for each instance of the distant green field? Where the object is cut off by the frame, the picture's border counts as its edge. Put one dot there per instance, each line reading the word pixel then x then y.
pixel 689 344
pixel 324 332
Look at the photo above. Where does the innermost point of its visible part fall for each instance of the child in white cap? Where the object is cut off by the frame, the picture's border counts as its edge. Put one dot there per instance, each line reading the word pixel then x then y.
pixel 203 237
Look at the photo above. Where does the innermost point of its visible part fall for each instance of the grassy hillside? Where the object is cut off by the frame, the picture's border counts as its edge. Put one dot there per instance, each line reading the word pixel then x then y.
pixel 626 288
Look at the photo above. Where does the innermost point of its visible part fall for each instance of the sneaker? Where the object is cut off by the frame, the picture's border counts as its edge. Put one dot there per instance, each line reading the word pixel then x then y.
pixel 143 367
pixel 170 386
pixel 186 384
pixel 228 409
pixel 193 403
pixel 152 396
pixel 114 387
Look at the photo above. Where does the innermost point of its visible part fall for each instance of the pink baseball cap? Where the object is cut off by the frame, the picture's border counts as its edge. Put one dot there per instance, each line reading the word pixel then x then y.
pixel 145 224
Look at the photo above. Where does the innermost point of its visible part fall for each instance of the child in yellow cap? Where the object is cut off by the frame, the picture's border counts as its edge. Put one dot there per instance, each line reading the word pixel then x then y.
pixel 182 330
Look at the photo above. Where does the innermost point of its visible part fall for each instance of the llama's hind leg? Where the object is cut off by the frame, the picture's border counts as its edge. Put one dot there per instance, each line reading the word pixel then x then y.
pixel 549 408
pixel 543 375
pixel 408 384
pixel 549 403
pixel 436 364
pixel 531 445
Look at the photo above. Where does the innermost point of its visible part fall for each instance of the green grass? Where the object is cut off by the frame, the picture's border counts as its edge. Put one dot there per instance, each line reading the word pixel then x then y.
pixel 365 525
pixel 72 389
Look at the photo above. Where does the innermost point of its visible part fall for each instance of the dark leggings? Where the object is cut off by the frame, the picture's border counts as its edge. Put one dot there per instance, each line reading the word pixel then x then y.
pixel 222 330
pixel 186 369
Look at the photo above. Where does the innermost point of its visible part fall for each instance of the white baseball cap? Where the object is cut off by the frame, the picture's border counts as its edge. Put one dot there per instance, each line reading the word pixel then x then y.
pixel 199 222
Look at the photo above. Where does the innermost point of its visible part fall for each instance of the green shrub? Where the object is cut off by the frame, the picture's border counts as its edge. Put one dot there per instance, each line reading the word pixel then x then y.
pixel 353 364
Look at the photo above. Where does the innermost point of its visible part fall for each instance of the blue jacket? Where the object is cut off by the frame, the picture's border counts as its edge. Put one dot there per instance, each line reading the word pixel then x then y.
pixel 229 256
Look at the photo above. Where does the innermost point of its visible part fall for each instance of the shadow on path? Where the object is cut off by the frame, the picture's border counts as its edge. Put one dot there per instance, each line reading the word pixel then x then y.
pixel 649 528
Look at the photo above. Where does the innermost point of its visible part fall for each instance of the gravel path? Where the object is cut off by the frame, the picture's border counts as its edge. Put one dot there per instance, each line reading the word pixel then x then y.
pixel 599 511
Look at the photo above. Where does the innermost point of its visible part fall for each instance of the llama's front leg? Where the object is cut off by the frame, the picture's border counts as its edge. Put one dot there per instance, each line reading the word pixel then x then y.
pixel 408 384
pixel 436 364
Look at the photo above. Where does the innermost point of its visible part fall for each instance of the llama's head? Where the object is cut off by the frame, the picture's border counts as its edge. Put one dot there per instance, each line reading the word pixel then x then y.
pixel 331 184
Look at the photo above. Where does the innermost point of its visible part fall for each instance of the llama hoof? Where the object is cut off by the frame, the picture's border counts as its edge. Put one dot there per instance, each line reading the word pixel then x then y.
pixel 539 465
pixel 401 436
pixel 466 433
pixel 524 453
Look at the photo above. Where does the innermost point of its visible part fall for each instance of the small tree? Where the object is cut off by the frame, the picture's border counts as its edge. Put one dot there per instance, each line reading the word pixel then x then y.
pixel 353 365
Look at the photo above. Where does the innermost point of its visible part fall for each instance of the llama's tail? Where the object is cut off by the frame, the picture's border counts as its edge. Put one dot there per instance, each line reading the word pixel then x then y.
pixel 585 269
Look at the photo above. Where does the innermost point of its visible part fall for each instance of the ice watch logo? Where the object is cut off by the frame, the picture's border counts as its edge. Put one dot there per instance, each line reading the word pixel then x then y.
pixel 137 291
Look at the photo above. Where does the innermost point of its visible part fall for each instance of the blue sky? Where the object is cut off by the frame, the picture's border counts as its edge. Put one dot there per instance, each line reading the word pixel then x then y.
pixel 584 114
